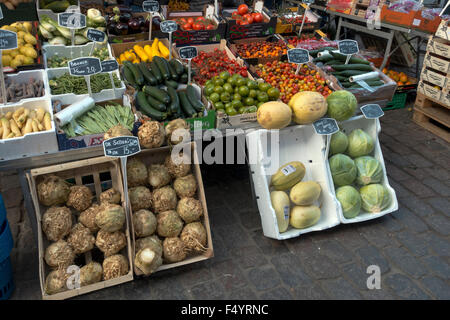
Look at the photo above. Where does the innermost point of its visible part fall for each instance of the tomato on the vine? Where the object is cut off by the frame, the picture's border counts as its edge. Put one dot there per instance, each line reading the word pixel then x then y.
pixel 257 17
pixel 187 26
pixel 190 20
pixel 242 9
pixel 197 26
pixel 249 18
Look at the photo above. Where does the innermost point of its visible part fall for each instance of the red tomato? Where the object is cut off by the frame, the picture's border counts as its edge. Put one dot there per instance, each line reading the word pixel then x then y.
pixel 249 18
pixel 243 73
pixel 183 21
pixel 244 22
pixel 235 15
pixel 242 9
pixel 257 17
pixel 210 27
pixel 190 20
pixel 198 26
pixel 200 19
pixel 187 26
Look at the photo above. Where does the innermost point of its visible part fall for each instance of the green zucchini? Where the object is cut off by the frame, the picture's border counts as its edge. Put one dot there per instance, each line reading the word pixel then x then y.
pixel 157 93
pixel 147 109
pixel 149 77
pixel 171 83
pixel 323 58
pixel 178 67
pixel 163 67
pixel 174 106
pixel 128 75
pixel 193 99
pixel 331 62
pixel 155 70
pixel 349 73
pixel 156 104
pixel 138 77
pixel 341 78
pixel 343 67
pixel 184 78
pixel 353 60
pixel 173 73
pixel 185 104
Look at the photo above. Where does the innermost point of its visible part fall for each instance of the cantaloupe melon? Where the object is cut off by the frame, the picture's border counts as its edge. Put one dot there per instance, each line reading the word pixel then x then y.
pixel 307 107
pixel 274 115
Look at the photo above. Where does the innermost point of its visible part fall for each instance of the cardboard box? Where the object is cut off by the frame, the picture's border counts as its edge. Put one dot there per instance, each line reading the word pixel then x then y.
pixel 436 63
pixel 425 23
pixel 439 47
pixel 433 77
pixel 90 168
pixel 398 18
pixel 429 90
pixel 359 12
pixel 284 27
pixel 253 61
pixel 443 30
pixel 340 6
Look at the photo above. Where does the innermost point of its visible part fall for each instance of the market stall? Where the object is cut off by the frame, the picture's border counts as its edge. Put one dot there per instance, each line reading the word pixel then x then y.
pixel 91 116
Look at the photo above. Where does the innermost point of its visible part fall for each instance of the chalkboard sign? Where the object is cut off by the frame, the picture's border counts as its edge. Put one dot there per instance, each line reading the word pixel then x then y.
pixel 348 46
pixel 326 126
pixel 188 52
pixel 298 55
pixel 109 65
pixel 95 35
pixel 124 146
pixel 72 20
pixel 308 1
pixel 8 40
pixel 84 66
pixel 372 111
pixel 150 6
pixel 168 26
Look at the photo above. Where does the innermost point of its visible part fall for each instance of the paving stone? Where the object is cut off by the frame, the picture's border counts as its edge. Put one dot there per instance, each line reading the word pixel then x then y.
pixel 374 232
pixel 400 191
pixel 437 186
pixel 413 243
pixel 418 206
pixel 9 181
pixel 390 224
pixel 279 293
pixel 288 268
pixel 335 251
pixel 341 289
pixel 439 223
pixel 418 173
pixel 302 244
pixel 222 216
pixel 234 237
pixel 405 288
pixel 263 278
pixel 438 288
pixel 251 220
pixel 419 161
pixel 437 266
pixel 26 266
pixel 409 220
pixel 269 246
pixel 12 197
pixel 396 173
pixel 397 159
pixel 377 294
pixel 320 267
pixel 357 274
pixel 248 257
pixel 442 174
pixel 314 292
pixel 14 215
pixel 243 294
pixel 211 290
pixel 350 238
pixel 190 275
pixel 230 275
pixel 370 255
pixel 221 253
pixel 418 188
pixel 440 246
pixel 440 204
pixel 406 262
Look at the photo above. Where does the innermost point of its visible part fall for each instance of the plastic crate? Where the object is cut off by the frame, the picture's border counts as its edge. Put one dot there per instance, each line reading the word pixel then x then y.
pixel 398 101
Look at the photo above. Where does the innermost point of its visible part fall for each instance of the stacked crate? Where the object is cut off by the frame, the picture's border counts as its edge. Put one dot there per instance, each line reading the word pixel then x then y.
pixel 431 109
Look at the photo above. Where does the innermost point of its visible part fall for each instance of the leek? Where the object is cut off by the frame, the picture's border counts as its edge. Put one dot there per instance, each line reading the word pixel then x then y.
pixel 45 33
pixel 47 26
pixel 57 41
pixel 80 39
pixel 65 32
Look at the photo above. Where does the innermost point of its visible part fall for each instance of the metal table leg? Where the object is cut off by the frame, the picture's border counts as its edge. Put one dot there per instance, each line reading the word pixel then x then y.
pixel 419 42
pixel 388 49
pixel 338 30
pixel 28 202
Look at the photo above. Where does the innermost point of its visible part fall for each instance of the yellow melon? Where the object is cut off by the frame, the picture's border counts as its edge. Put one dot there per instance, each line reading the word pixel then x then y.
pixel 307 107
pixel 274 115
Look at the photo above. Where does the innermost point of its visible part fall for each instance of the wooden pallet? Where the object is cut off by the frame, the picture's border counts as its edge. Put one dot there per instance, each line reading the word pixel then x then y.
pixel 433 116
pixel 424 101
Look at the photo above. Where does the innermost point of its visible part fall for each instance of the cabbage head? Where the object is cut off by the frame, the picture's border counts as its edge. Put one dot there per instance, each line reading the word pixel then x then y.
pixel 338 143
pixel 369 170
pixel 350 201
pixel 359 143
pixel 375 198
pixel 343 169
pixel 341 105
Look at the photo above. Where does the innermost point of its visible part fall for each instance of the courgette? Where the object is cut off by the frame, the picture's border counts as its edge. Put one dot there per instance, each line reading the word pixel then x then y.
pixel 331 62
pixel 155 71
pixel 154 103
pixel 147 109
pixel 163 67
pixel 174 106
pixel 353 60
pixel 359 66
pixel 323 58
pixel 138 77
pixel 157 93
pixel 193 99
pixel 128 75
pixel 184 78
pixel 185 104
pixel 149 77
pixel 173 73
pixel 349 73
pixel 177 66
pixel 171 83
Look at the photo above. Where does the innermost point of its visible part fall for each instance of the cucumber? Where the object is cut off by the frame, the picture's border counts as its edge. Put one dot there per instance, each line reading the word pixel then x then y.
pixel 343 57
pixel 343 67
pixel 128 75
pixel 171 83
pixel 163 67
pixel 157 93
pixel 314 53
pixel 155 70
pixel 174 106
pixel 147 109
pixel 341 78
pixel 323 58
pixel 185 104
pixel 149 77
pixel 193 99
pixel 184 78
pixel 173 73
pixel 331 62
pixel 177 66
pixel 154 103
pixel 138 77
pixel 349 73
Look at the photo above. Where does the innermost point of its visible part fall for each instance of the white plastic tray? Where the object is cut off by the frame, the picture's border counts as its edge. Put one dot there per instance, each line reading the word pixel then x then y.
pixel 296 143
pixel 24 76
pixel 32 144
pixel 373 128
pixel 54 15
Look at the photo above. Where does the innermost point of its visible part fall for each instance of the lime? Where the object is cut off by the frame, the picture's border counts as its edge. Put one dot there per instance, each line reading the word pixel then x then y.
pixel 263 97
pixel 218 89
pixel 219 105
pixel 249 101
pixel 214 97
pixel 242 109
pixel 236 104
pixel 263 86
pixel 236 89
pixel 231 111
pixel 241 82
pixel 232 81
pixel 236 76
pixel 273 93
pixel 259 104
pixel 209 89
pixel 243 91
pixel 253 93
pixel 219 82
pixel 208 83
pixel 251 84
pixel 224 75
pixel 251 109
pixel 228 105
pixel 228 88
pixel 237 96
pixel 225 97
pixel 220 110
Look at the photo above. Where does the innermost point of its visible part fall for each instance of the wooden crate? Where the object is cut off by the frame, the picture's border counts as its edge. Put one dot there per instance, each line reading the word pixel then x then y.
pixel 77 171
pixel 154 156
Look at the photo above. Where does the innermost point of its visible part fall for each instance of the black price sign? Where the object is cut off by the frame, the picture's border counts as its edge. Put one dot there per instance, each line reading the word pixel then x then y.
pixel 298 56
pixel 8 40
pixel 84 66
pixel 150 6
pixel 168 26
pixel 72 20
pixel 95 35
pixel 124 146
pixel 188 52
pixel 348 46
pixel 372 111
pixel 326 126
pixel 109 65
pixel 308 1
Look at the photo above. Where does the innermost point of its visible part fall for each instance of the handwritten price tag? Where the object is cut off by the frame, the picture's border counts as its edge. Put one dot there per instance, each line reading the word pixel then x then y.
pixel 109 65
pixel 168 26
pixel 8 40
pixel 298 56
pixel 95 35
pixel 348 47
pixel 72 20
pixel 150 6
pixel 124 146
pixel 372 111
pixel 326 126
pixel 84 66
pixel 188 52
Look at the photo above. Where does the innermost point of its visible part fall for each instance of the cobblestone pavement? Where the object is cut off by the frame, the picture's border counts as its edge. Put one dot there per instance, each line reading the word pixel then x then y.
pixel 411 246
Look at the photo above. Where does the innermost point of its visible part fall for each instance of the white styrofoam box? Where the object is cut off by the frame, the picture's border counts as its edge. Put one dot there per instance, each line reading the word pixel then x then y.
pixel 53 15
pixel 32 144
pixel 24 77
pixel 104 94
pixel 373 128
pixel 296 143
pixel 70 51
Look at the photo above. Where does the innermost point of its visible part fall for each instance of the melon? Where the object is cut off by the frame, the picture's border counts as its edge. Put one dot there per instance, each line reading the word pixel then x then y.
pixel 307 107
pixel 274 115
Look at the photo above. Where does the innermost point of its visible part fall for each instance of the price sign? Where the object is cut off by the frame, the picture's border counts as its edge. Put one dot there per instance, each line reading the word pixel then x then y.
pixel 95 35
pixel 372 111
pixel 84 66
pixel 150 6
pixel 308 1
pixel 298 56
pixel 168 26
pixel 348 47
pixel 109 65
pixel 124 146
pixel 188 52
pixel 8 40
pixel 72 20
pixel 326 126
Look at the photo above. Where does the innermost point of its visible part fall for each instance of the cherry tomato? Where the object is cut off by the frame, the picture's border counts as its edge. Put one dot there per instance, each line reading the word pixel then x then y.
pixel 242 9
pixel 257 17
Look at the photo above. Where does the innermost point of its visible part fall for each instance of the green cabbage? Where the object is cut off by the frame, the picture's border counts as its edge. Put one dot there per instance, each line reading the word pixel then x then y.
pixel 359 143
pixel 343 169
pixel 375 198
pixel 369 170
pixel 350 201
pixel 341 105
pixel 338 143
